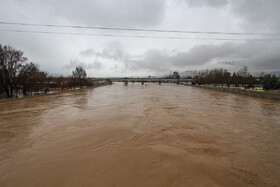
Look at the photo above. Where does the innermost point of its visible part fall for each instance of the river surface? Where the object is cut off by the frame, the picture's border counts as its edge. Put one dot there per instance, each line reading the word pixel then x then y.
pixel 140 135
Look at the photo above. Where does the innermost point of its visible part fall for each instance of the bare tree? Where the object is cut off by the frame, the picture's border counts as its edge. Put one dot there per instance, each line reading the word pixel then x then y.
pixel 31 79
pixel 10 62
pixel 245 78
pixel 81 75
pixel 1 88
pixel 40 82
pixel 90 82
pixel 216 77
pixel 72 82
pixel 27 76
pixel 244 72
pixel 61 82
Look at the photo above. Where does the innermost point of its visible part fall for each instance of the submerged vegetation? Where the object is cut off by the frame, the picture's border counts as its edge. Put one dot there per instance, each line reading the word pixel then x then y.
pixel 17 76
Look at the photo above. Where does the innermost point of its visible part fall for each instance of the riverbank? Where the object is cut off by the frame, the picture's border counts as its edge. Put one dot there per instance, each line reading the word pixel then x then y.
pixel 238 91
pixel 3 100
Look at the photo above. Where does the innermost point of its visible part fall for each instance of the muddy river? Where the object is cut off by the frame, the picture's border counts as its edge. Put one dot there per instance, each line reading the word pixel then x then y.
pixel 135 135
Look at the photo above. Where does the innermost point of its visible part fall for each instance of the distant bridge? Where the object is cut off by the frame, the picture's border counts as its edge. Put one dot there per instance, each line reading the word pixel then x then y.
pixel 143 80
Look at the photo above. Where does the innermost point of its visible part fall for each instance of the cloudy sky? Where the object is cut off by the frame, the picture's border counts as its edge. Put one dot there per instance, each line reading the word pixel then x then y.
pixel 156 55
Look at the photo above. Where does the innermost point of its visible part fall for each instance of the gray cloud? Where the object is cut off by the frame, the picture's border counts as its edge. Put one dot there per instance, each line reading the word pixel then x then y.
pixel 151 60
pixel 258 14
pixel 112 13
pixel 231 63
pixel 88 52
pixel 211 3
pixel 202 54
pixel 107 55
pixel 257 55
pixel 254 15
pixel 97 65
pixel 162 61
pixel 112 50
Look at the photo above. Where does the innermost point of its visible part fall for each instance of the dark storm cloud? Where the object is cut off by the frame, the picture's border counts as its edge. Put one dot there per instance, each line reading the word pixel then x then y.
pixel 161 61
pixel 264 56
pixel 151 60
pixel 257 55
pixel 254 15
pixel 202 54
pixel 258 14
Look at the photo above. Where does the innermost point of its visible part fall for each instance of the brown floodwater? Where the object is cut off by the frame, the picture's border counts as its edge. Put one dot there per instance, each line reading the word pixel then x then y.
pixel 140 135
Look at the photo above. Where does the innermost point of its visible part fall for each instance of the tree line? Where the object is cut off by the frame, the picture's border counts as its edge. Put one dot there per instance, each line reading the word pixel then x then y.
pixel 17 75
pixel 241 78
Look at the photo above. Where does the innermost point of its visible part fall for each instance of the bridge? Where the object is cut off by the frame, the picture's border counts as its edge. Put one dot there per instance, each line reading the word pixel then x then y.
pixel 143 80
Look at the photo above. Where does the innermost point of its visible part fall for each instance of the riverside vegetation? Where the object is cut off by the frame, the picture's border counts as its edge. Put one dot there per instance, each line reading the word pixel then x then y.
pixel 221 77
pixel 17 76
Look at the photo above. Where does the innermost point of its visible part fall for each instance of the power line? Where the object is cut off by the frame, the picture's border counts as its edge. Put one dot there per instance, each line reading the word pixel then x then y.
pixel 136 36
pixel 138 29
